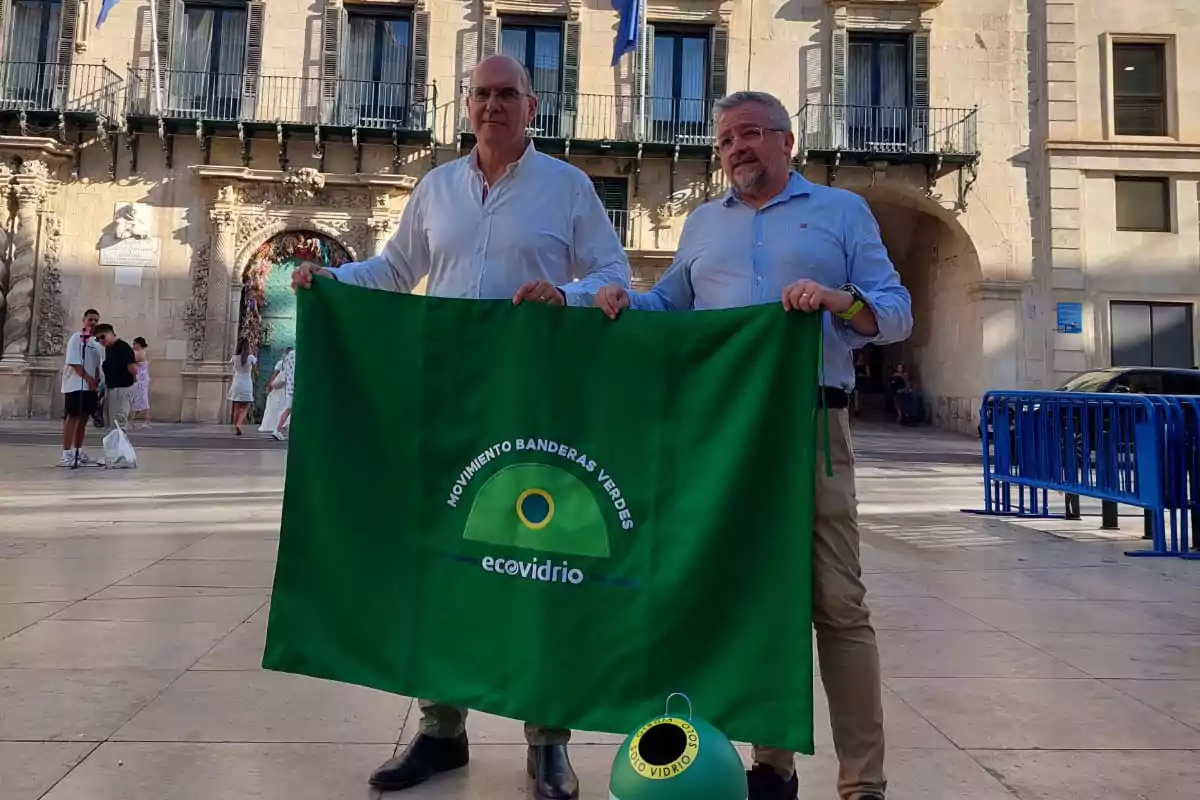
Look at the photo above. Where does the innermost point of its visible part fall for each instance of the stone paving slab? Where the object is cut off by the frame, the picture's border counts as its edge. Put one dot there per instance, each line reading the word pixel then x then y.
pixel 1018 663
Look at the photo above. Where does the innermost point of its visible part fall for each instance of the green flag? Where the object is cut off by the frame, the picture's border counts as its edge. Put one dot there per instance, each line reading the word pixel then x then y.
pixel 551 516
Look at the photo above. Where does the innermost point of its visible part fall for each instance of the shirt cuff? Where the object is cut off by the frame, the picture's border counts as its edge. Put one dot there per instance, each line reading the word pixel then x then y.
pixel 577 295
pixel 845 331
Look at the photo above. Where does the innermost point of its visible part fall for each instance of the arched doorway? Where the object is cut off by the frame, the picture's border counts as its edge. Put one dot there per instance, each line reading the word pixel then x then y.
pixel 938 264
pixel 268 311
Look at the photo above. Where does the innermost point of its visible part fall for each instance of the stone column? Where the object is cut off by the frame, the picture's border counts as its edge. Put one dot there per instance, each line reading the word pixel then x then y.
pixel 220 275
pixel 31 191
pixel 381 231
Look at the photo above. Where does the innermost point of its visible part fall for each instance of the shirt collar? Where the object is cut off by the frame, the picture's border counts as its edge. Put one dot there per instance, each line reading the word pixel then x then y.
pixel 797 186
pixel 473 160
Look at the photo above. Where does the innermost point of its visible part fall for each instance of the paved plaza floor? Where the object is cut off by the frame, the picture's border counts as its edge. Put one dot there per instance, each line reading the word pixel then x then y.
pixel 1039 664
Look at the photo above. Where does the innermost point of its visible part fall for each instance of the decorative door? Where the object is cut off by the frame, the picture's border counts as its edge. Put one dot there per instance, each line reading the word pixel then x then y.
pixel 268 302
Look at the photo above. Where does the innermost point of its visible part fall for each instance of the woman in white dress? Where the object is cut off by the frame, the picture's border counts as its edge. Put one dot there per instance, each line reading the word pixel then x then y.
pixel 241 393
pixel 277 399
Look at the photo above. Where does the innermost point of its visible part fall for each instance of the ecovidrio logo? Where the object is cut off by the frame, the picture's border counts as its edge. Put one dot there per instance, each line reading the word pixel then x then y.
pixel 554 507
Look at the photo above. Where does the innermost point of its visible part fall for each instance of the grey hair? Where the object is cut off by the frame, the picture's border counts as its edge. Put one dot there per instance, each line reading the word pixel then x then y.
pixel 524 82
pixel 780 119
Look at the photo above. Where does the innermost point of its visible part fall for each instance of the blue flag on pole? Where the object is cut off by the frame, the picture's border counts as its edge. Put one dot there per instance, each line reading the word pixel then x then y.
pixel 105 7
pixel 628 12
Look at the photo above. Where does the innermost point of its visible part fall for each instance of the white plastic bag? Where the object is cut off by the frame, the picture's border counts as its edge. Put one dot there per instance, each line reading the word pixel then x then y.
pixel 118 452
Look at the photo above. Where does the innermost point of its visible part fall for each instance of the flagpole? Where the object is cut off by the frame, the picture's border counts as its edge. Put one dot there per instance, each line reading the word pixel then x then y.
pixel 156 78
pixel 644 55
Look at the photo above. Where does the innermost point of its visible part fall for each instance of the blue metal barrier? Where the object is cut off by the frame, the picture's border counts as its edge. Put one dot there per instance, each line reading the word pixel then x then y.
pixel 1139 450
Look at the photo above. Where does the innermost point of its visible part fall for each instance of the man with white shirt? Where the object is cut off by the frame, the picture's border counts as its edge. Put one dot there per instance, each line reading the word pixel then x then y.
pixel 80 388
pixel 504 222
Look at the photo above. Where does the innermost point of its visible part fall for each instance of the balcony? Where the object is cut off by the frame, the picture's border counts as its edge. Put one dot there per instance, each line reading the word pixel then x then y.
pixel 616 124
pixel 274 100
pixel 934 137
pixel 82 91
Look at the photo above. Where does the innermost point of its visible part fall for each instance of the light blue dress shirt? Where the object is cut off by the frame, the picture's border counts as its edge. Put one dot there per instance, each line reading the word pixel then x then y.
pixel 542 220
pixel 732 255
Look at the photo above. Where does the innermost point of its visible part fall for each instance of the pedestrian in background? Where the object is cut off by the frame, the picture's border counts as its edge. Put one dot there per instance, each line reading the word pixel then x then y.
pixel 80 388
pixel 141 389
pixel 120 374
pixel 276 397
pixel 241 393
pixel 287 372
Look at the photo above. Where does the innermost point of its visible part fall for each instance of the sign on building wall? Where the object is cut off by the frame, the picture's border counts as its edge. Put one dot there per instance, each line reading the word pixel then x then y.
pixel 130 244
pixel 1070 318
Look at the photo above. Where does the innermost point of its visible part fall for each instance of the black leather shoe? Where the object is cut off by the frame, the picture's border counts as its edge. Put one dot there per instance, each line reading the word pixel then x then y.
pixel 420 761
pixel 767 784
pixel 550 768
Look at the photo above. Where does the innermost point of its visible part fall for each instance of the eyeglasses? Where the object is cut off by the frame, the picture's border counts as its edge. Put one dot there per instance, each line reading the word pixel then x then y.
pixel 751 136
pixel 506 94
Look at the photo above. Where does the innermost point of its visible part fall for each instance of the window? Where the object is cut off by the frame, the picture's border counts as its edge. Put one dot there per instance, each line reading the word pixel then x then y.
pixel 1151 334
pixel 878 90
pixel 209 60
pixel 31 55
pixel 538 44
pixel 1139 89
pixel 1143 204
pixel 614 194
pixel 679 84
pixel 375 68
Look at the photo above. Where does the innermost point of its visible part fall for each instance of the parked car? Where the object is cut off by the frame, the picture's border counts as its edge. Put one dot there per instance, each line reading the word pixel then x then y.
pixel 1130 380
pixel 1136 380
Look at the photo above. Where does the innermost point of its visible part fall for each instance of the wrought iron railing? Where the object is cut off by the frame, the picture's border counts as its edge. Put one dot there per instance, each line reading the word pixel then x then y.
pixel 889 129
pixel 51 87
pixel 624 224
pixel 618 118
pixel 216 97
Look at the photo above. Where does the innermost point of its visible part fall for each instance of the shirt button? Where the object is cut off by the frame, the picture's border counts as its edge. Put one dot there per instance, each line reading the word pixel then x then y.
pixel 758 244
pixel 758 278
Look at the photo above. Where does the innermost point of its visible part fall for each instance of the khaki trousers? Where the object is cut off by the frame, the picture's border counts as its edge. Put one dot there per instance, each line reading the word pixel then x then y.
pixel 846 646
pixel 445 722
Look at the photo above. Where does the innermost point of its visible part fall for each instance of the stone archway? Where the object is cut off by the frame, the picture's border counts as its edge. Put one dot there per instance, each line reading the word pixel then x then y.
pixel 940 266
pixel 267 311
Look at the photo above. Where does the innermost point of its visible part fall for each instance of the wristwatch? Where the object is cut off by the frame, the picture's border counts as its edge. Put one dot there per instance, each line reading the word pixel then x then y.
pixel 856 306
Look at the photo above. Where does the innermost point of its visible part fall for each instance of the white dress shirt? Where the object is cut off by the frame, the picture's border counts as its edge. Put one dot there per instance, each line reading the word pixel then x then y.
pixel 542 220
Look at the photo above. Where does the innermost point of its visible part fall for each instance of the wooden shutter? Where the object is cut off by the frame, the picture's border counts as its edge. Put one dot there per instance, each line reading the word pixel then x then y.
pixel 919 135
pixel 252 65
pixel 833 123
pixel 169 40
pixel 645 45
pixel 333 34
pixel 570 79
pixel 68 19
pixel 417 113
pixel 718 59
pixel 491 37
pixel 5 14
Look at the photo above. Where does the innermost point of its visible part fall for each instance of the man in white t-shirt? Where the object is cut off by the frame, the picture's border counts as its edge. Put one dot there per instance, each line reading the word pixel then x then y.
pixel 80 384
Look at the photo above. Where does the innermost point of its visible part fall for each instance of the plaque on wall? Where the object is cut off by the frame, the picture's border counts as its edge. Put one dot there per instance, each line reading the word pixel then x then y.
pixel 131 252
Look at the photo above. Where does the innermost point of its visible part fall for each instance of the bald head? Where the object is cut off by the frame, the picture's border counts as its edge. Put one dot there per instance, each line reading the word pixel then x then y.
pixel 501 105
pixel 502 69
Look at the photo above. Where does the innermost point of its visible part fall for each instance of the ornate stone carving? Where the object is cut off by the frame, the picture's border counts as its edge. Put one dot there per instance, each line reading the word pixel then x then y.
pixel 134 221
pixel 250 224
pixel 274 194
pixel 36 168
pixel 223 219
pixel 197 307
pixel 360 239
pixel 19 297
pixel 52 327
pixel 228 194
pixel 304 183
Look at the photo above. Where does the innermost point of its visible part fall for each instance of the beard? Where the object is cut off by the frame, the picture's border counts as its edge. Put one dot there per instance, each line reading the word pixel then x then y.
pixel 748 176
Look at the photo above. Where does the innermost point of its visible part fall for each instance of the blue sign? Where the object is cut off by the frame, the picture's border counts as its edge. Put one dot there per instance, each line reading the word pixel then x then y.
pixel 1070 318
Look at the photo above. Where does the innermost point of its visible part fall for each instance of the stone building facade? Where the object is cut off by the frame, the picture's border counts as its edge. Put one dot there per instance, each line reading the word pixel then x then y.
pixel 169 166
